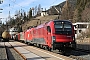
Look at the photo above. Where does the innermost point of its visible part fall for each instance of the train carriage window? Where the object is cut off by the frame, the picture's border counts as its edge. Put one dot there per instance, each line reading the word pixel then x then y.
pixel 48 29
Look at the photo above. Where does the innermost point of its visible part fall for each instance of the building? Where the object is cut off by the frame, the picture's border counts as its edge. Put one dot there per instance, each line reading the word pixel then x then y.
pixel 43 13
pixel 80 27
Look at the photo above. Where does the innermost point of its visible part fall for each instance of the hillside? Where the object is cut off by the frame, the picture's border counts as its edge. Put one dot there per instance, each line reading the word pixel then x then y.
pixel 37 21
pixel 59 7
pixel 82 11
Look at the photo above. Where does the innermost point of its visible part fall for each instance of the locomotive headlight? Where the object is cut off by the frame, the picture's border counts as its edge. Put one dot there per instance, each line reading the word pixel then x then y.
pixel 53 38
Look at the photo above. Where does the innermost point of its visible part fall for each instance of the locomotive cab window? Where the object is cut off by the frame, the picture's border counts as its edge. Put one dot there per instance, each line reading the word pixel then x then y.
pixel 63 28
pixel 48 29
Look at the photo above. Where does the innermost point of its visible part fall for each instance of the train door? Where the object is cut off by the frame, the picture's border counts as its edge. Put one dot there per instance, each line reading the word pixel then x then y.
pixel 49 36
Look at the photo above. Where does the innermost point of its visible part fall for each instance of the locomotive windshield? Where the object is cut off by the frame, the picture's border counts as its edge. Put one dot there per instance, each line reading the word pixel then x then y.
pixel 63 28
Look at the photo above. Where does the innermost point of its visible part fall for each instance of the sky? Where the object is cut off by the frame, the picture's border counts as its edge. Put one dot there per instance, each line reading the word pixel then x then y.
pixel 16 5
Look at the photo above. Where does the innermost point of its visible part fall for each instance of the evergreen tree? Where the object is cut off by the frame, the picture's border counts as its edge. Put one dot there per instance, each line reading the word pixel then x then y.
pixel 39 9
pixel 24 18
pixel 30 14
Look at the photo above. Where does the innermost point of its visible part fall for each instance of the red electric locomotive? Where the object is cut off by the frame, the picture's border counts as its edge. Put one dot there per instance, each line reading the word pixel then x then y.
pixel 56 34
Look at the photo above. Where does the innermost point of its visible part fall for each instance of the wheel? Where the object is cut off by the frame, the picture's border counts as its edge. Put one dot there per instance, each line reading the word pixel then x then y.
pixel 25 41
pixel 49 49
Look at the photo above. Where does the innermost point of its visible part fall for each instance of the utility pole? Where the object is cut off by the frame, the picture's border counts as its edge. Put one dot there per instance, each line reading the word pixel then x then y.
pixel 9 13
pixel 1 1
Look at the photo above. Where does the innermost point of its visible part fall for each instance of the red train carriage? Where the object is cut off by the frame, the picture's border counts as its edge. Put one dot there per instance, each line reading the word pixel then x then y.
pixel 29 35
pixel 56 34
pixel 20 36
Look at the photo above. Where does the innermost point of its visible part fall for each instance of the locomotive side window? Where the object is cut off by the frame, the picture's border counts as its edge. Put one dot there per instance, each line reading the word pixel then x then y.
pixel 48 29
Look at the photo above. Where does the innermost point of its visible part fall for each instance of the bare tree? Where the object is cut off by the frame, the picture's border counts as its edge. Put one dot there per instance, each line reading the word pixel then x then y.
pixel 67 12
pixel 35 10
pixel 86 13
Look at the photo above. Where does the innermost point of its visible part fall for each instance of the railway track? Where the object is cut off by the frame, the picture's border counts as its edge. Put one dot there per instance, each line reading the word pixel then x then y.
pixel 8 53
pixel 80 54
pixel 76 54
